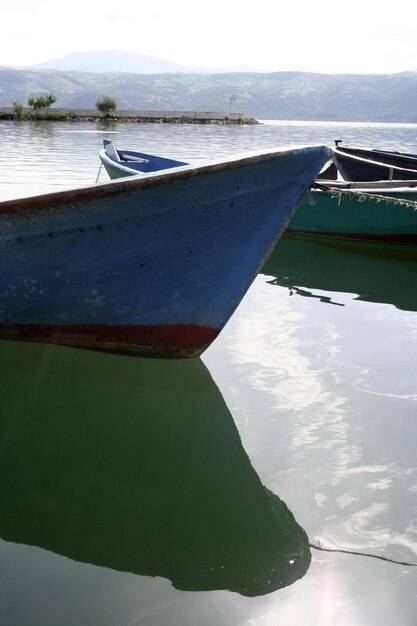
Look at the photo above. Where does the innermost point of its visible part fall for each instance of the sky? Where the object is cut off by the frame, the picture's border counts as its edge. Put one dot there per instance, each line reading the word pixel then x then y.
pixel 357 36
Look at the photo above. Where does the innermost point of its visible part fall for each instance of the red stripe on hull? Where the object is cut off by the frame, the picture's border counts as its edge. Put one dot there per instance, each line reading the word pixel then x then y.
pixel 164 341
pixel 388 237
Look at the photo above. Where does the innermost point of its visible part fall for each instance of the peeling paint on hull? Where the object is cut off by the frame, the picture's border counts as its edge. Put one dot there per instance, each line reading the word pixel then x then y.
pixel 166 341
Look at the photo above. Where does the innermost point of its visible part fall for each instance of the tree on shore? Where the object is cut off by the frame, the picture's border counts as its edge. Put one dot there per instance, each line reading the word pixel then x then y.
pixel 42 102
pixel 106 105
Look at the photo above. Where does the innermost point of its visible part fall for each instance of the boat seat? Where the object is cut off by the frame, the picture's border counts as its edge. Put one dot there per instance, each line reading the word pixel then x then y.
pixel 111 150
pixel 132 159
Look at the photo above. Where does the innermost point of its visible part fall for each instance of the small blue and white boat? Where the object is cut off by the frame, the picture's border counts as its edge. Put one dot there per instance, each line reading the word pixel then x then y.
pixel 122 163
pixel 151 265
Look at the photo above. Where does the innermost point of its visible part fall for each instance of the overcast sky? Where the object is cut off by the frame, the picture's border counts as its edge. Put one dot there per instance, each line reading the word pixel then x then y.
pixel 358 36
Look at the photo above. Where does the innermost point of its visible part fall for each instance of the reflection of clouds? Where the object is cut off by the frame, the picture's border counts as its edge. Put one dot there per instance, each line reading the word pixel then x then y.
pixel 384 350
pixel 319 434
pixel 364 388
pixel 275 339
pixel 382 483
pixel 366 524
pixel 346 499
pixel 292 361
pixel 370 529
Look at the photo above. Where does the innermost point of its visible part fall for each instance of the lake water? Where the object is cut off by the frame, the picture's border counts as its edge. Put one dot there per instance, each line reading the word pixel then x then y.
pixel 162 493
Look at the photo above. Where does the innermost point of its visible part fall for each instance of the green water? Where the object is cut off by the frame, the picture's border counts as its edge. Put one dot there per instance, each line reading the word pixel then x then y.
pixel 148 492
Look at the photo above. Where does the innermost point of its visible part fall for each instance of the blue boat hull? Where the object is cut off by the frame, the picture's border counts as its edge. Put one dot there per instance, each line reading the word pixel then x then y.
pixel 152 266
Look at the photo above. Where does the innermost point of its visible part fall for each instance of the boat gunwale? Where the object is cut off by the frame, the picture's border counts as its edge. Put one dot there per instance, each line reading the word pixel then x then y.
pixel 106 160
pixel 60 199
pixel 372 187
pixel 381 156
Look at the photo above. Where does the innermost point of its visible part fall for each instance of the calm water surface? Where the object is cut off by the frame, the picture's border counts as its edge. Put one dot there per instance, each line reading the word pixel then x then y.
pixel 138 491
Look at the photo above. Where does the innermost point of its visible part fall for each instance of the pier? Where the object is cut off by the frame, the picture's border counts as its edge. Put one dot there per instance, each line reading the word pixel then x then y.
pixel 134 115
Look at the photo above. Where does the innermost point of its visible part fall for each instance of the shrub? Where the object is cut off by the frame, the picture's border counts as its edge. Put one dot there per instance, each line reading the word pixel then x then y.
pixel 19 110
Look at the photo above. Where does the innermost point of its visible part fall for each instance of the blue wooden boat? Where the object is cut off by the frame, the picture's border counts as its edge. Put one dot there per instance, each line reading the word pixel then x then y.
pixel 122 163
pixel 152 265
pixel 361 164
pixel 379 211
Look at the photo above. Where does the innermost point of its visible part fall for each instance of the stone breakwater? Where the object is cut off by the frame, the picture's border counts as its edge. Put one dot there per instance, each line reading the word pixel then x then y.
pixel 155 117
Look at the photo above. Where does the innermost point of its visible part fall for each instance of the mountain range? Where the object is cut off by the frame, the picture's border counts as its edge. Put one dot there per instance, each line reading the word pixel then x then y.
pixel 144 84
pixel 119 61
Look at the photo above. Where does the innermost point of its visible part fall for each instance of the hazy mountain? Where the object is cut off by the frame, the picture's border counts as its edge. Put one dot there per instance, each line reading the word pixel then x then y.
pixel 118 61
pixel 280 95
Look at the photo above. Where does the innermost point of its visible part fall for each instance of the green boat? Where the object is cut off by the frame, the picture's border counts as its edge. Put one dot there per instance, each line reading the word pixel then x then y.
pixel 378 211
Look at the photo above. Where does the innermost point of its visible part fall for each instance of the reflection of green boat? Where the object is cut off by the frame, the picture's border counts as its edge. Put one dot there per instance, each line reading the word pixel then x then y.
pixel 376 272
pixel 136 465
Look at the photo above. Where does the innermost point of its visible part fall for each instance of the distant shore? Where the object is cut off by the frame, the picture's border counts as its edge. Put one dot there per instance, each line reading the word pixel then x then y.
pixel 135 116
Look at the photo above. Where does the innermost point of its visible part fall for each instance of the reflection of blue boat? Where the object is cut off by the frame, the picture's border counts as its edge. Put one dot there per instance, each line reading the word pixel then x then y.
pixel 122 163
pixel 153 265
pixel 137 465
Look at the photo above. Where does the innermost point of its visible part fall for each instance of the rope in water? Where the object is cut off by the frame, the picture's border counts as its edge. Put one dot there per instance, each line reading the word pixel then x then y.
pixel 99 171
pixel 357 553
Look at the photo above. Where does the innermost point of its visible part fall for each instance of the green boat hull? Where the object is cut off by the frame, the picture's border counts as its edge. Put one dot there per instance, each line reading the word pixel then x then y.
pixel 358 216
